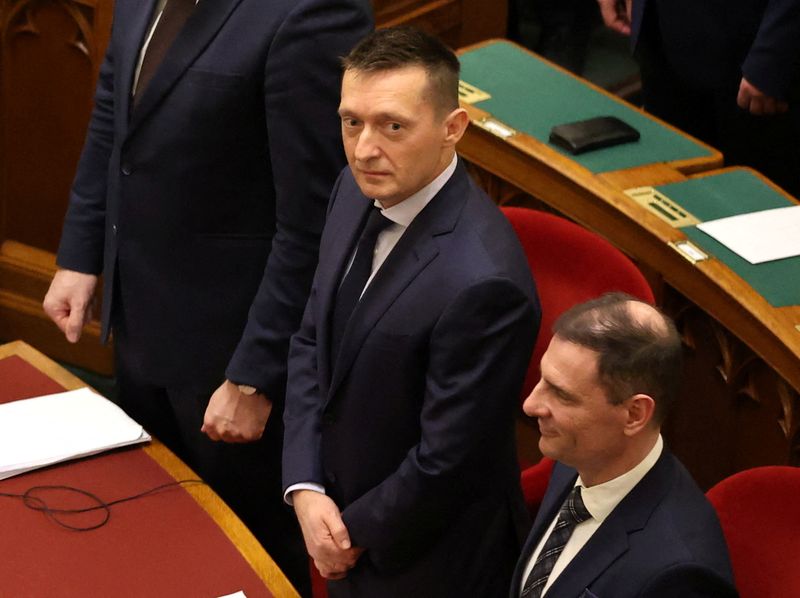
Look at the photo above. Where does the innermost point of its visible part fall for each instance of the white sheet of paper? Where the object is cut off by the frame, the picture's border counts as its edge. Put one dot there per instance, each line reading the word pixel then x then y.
pixel 52 428
pixel 759 236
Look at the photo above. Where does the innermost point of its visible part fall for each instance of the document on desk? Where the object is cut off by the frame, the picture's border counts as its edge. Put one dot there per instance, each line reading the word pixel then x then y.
pixel 759 236
pixel 53 428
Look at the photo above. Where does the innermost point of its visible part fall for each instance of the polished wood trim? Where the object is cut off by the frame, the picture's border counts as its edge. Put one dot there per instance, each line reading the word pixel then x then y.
pixel 229 523
pixel 600 204
pixel 25 275
pixel 250 549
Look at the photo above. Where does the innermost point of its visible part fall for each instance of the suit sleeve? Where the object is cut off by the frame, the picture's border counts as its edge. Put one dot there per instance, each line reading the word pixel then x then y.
pixel 478 354
pixel 83 232
pixel 301 94
pixel 774 57
pixel 302 416
pixel 688 581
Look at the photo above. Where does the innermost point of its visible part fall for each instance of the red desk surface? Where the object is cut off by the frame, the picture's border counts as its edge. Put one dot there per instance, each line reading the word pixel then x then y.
pixel 160 545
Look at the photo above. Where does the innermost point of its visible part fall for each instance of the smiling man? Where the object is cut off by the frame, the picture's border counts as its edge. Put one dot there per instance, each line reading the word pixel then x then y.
pixel 621 516
pixel 404 377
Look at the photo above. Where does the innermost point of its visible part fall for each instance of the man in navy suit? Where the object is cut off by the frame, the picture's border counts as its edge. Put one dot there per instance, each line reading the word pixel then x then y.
pixel 200 196
pixel 621 516
pixel 399 452
pixel 725 72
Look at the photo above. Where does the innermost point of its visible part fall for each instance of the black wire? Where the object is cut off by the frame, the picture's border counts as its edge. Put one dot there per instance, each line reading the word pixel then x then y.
pixel 30 499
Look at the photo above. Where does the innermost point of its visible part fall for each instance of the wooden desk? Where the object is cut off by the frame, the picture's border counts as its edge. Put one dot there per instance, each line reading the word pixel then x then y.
pixel 741 406
pixel 179 542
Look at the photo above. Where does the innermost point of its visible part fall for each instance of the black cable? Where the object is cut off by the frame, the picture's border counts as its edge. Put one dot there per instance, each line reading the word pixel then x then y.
pixel 30 499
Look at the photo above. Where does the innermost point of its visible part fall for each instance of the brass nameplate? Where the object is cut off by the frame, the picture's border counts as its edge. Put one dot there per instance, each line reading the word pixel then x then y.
pixel 662 206
pixel 469 94
pixel 495 127
pixel 689 251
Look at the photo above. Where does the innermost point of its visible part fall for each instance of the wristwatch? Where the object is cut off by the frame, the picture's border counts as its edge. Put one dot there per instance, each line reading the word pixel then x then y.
pixel 247 390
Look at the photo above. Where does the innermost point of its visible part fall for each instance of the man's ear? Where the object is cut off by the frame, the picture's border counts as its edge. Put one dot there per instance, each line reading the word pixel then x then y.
pixel 455 124
pixel 640 409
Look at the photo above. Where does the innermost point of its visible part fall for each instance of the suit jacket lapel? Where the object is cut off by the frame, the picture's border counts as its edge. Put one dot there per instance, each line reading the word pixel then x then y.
pixel 413 252
pixel 611 538
pixel 200 28
pixel 138 19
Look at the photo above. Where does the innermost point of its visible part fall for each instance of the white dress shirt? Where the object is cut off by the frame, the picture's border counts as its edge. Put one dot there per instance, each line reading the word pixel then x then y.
pixel 401 214
pixel 600 501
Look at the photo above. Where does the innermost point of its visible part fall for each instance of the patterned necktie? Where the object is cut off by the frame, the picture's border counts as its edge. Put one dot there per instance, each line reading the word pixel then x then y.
pixel 572 512
pixel 356 278
pixel 173 17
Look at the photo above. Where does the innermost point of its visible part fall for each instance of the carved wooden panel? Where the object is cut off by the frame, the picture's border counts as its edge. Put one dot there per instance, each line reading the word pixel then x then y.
pixel 50 52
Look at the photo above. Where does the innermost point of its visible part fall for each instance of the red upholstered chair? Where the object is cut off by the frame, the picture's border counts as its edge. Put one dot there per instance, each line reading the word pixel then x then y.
pixel 759 510
pixel 570 265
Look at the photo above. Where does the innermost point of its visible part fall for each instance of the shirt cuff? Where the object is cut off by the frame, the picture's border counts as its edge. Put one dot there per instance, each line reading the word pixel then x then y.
pixel 287 496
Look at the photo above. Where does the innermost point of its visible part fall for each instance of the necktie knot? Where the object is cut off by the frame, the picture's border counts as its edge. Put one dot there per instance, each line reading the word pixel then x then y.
pixel 376 222
pixel 573 509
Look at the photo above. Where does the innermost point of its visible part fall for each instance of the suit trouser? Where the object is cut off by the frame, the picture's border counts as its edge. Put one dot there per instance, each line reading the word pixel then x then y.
pixel 246 476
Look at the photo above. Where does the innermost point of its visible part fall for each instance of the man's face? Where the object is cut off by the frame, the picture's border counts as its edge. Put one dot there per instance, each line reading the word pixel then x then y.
pixel 394 138
pixel 578 424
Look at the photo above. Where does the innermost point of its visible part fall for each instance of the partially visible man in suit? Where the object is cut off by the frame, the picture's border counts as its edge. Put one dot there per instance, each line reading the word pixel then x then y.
pixel 725 72
pixel 399 453
pixel 621 516
pixel 200 196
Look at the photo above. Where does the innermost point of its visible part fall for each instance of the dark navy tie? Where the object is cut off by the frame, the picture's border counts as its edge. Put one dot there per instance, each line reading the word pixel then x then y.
pixel 356 278
pixel 572 512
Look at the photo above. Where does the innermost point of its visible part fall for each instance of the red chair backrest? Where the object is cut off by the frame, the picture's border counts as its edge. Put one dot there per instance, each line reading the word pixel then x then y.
pixel 570 265
pixel 759 510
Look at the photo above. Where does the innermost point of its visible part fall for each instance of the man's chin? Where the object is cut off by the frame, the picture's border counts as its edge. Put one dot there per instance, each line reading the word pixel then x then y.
pixel 547 447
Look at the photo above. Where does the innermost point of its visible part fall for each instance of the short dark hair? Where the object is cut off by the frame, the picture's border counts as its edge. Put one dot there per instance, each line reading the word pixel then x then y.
pixel 636 355
pixel 399 47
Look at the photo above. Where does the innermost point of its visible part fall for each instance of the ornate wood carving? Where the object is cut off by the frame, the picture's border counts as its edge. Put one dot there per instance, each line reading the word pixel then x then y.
pixel 21 19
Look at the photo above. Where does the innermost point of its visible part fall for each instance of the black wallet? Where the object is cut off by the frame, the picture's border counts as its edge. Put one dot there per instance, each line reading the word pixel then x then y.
pixel 591 134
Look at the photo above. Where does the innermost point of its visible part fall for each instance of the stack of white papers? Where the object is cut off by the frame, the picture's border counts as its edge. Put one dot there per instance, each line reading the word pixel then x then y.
pixel 759 237
pixel 53 428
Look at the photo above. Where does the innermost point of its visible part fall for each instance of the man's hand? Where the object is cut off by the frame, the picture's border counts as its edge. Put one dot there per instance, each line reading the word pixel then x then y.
pixel 69 301
pixel 758 103
pixel 617 15
pixel 235 417
pixel 326 536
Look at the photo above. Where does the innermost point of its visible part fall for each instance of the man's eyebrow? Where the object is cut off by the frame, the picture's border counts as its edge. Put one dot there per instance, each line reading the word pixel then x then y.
pixel 381 116
pixel 560 391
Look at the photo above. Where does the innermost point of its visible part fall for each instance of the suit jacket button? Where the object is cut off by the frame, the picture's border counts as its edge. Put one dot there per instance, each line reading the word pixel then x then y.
pixel 114 228
pixel 126 169
pixel 328 418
